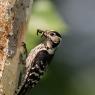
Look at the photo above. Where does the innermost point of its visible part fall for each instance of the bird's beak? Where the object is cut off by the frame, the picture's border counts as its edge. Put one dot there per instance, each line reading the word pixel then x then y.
pixel 43 33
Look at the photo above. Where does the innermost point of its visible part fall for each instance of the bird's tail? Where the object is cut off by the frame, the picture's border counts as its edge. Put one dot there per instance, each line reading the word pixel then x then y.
pixel 22 89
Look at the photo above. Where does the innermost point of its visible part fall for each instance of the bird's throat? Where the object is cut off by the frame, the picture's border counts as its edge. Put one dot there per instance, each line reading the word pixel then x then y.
pixel 49 44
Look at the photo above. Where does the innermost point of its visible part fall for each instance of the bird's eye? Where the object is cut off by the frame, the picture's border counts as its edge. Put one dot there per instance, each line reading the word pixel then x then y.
pixel 52 34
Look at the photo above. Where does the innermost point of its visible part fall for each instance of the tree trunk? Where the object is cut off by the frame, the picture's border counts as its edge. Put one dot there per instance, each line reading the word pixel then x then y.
pixel 13 22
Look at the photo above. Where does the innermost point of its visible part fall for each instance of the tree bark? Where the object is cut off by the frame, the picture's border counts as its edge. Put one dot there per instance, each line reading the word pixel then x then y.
pixel 14 15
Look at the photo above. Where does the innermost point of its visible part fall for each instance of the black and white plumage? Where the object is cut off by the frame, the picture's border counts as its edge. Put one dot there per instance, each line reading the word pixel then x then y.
pixel 38 60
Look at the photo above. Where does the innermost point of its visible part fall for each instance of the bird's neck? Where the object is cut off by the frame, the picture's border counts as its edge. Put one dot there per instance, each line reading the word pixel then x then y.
pixel 49 44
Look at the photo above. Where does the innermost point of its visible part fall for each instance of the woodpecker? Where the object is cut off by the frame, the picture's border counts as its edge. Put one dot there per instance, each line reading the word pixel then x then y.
pixel 38 59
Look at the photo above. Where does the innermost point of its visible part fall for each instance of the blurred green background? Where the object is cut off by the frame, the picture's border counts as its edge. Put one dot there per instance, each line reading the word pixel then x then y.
pixel 45 16
pixel 72 70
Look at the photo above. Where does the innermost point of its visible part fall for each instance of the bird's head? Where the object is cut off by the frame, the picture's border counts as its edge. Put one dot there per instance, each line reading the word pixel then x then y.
pixel 51 36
